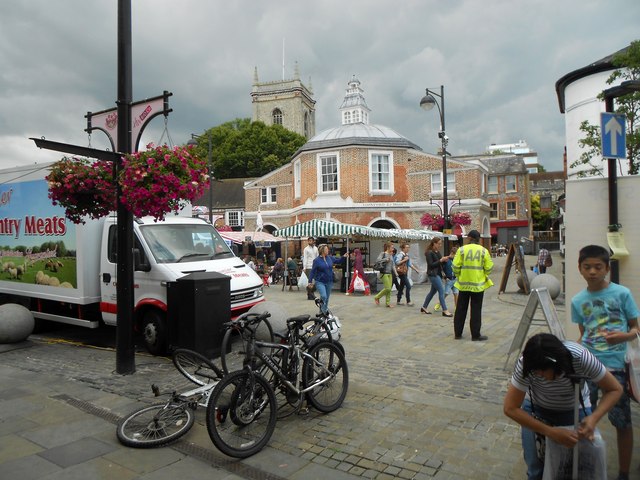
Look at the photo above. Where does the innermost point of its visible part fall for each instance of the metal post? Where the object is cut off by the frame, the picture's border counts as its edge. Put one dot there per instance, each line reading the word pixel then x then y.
pixel 445 194
pixel 210 164
pixel 612 183
pixel 125 353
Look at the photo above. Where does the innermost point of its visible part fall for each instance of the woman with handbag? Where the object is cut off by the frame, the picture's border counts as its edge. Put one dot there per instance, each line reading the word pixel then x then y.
pixel 403 267
pixel 434 271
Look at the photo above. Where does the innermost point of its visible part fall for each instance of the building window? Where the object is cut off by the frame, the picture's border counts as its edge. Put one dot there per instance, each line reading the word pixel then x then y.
pixel 511 209
pixel 277 116
pixel 297 179
pixel 494 210
pixel 492 184
pixel 329 178
pixel 381 172
pixel 347 118
pixel 268 195
pixel 436 182
pixel 235 218
pixel 510 183
pixel 356 116
pixel 306 124
pixel 545 202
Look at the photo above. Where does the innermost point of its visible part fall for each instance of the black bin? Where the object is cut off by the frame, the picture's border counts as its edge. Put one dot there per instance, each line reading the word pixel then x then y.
pixel 198 305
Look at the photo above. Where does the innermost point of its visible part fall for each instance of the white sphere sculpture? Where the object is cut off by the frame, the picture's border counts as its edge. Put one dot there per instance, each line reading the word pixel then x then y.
pixel 519 281
pixel 16 323
pixel 549 281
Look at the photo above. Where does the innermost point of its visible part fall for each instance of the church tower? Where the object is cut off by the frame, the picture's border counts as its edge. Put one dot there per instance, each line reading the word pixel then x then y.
pixel 285 102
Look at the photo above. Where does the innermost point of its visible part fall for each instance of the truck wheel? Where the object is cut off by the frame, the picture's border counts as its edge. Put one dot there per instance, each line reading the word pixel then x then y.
pixel 154 332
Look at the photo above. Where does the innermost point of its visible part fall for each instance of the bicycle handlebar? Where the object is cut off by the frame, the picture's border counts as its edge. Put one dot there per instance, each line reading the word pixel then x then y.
pixel 247 319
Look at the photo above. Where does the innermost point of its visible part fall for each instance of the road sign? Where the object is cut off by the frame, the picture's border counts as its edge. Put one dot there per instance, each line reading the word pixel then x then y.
pixel 613 135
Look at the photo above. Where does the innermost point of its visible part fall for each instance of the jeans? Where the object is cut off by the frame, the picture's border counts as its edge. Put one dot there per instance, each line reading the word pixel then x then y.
pixel 534 466
pixel 436 286
pixel 404 286
pixel 324 290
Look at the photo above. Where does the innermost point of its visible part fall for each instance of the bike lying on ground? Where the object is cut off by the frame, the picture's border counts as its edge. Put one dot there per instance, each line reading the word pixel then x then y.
pixel 163 423
pixel 242 411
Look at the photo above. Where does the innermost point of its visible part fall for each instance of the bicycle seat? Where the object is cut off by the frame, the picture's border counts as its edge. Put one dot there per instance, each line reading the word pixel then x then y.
pixel 298 321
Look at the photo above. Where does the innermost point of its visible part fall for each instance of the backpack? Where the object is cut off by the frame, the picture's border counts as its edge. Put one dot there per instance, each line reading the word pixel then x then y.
pixel 548 261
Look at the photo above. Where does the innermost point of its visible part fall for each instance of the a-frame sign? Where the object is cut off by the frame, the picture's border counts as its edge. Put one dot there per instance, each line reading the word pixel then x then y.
pixel 515 256
pixel 538 297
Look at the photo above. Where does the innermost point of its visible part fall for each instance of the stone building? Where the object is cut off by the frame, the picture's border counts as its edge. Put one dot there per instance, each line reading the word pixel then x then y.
pixel 288 103
pixel 365 174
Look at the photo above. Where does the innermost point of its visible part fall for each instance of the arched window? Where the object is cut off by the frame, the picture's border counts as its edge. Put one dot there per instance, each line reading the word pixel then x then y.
pixel 356 116
pixel 347 118
pixel 276 115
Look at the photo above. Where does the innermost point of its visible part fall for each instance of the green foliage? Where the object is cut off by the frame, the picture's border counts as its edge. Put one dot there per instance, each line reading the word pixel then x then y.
pixel 539 218
pixel 628 68
pixel 242 148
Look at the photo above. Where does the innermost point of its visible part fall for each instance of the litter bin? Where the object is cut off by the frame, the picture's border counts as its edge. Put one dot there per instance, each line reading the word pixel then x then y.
pixel 198 305
pixel 372 279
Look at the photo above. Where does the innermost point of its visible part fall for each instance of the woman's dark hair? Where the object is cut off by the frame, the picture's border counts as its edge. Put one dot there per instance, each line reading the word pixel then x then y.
pixel 432 242
pixel 545 351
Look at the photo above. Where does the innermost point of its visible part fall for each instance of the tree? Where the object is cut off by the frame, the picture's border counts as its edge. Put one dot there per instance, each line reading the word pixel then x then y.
pixel 627 65
pixel 242 148
pixel 539 218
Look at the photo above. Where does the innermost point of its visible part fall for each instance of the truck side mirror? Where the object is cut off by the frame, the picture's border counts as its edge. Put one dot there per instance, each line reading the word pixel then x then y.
pixel 138 264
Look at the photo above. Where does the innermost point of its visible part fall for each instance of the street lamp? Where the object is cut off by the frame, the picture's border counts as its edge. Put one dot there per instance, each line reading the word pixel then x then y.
pixel 427 103
pixel 193 142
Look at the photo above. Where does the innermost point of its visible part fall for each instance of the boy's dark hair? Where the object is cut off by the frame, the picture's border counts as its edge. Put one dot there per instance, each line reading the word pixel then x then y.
pixel 545 351
pixel 593 251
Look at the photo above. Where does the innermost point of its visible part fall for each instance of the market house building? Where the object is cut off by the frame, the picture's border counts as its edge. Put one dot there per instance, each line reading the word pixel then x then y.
pixel 364 174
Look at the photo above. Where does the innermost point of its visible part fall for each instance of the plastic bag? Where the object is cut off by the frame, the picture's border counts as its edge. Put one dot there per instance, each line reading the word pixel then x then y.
pixel 358 284
pixel 633 367
pixel 536 269
pixel 592 463
pixel 303 281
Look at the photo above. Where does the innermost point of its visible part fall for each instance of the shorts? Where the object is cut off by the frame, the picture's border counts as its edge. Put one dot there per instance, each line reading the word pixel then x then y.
pixel 620 414
pixel 449 287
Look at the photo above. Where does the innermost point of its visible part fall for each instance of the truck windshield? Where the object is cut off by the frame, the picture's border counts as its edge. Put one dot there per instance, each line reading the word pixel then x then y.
pixel 175 243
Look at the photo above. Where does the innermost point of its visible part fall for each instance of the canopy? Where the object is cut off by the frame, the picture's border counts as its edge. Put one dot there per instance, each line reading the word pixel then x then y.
pixel 325 228
pixel 239 237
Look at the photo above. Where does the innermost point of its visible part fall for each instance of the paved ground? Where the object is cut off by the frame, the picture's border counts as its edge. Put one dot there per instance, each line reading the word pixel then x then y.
pixel 420 405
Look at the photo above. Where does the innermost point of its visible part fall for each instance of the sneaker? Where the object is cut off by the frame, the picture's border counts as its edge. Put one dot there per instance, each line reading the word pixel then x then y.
pixel 398 303
pixel 437 307
pixel 481 338
pixel 409 304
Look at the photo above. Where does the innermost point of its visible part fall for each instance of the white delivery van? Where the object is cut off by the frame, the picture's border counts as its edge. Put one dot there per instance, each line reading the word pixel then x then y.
pixel 66 273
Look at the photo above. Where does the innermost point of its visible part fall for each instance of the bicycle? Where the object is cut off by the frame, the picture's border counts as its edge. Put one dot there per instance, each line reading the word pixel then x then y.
pixel 242 411
pixel 233 349
pixel 160 424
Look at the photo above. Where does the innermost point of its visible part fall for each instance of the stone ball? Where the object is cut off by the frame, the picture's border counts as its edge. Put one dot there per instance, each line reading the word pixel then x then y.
pixel 549 281
pixel 16 323
pixel 530 276
pixel 278 318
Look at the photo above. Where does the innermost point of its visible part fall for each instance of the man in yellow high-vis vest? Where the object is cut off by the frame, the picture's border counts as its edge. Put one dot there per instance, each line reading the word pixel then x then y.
pixel 472 266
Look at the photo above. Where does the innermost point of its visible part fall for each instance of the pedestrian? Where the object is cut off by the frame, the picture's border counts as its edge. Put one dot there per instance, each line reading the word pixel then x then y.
pixel 472 266
pixel 358 280
pixel 434 271
pixel 449 279
pixel 541 395
pixel 394 274
pixel 386 258
pixel 277 272
pixel 260 255
pixel 321 274
pixel 607 316
pixel 544 260
pixel 309 254
pixel 404 267
pixel 292 266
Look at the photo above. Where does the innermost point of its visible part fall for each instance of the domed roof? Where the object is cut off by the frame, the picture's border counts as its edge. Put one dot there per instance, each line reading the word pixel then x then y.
pixel 358 134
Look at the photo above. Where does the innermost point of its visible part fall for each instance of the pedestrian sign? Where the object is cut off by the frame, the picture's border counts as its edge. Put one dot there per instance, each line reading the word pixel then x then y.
pixel 613 135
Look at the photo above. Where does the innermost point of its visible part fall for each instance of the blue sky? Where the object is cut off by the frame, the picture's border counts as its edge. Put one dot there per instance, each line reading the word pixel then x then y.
pixel 498 60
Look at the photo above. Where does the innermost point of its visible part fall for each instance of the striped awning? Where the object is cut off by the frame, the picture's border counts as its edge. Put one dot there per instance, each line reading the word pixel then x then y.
pixel 325 228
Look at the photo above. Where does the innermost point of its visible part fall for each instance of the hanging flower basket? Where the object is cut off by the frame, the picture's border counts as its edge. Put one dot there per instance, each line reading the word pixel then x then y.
pixel 82 188
pixel 433 221
pixel 155 182
pixel 460 218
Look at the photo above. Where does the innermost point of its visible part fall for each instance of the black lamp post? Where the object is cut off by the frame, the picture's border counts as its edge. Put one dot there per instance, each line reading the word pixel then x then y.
pixel 427 103
pixel 210 168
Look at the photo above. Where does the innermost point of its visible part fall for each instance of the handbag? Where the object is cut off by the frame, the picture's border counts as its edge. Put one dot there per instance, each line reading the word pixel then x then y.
pixel 402 269
pixel 633 368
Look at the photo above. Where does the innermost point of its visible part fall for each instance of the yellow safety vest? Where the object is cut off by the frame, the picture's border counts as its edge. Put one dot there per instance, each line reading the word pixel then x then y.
pixel 472 266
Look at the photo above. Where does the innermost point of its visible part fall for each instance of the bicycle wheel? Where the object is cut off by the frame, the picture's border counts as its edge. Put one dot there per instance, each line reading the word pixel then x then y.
pixel 232 351
pixel 327 367
pixel 196 367
pixel 155 425
pixel 241 415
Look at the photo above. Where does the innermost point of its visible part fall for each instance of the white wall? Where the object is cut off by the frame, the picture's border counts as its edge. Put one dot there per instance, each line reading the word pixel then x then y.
pixel 586 221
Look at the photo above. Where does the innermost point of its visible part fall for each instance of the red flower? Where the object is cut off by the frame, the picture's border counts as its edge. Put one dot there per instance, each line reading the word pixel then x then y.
pixel 432 220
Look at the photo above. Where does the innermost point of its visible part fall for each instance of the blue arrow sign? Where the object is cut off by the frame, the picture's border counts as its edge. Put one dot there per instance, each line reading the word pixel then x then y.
pixel 613 135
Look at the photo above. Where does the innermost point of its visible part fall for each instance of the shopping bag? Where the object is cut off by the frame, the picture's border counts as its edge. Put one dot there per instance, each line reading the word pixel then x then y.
pixel 592 463
pixel 303 281
pixel 633 368
pixel 358 284
pixel 536 269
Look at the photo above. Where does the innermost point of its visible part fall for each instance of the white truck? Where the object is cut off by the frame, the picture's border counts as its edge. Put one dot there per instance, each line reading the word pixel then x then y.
pixel 66 273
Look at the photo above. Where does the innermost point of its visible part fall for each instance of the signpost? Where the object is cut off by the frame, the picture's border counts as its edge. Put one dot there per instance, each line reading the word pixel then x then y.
pixel 613 135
